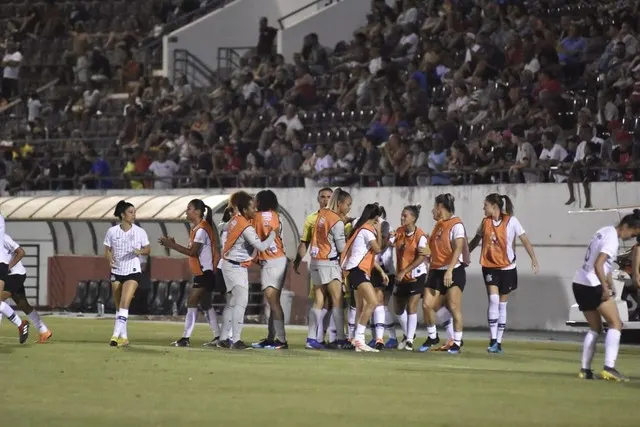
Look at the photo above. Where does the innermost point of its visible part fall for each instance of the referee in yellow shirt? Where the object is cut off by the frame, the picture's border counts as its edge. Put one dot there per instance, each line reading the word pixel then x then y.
pixel 305 239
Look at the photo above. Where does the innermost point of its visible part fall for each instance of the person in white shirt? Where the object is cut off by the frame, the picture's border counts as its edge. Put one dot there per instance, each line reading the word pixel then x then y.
pixel 123 246
pixel 410 14
pixel 498 232
pixel 11 63
pixel 33 107
pixel 163 170
pixel 358 261
pixel 14 287
pixel 594 294
pixel 324 162
pixel 290 119
pixel 203 253
pixel 5 309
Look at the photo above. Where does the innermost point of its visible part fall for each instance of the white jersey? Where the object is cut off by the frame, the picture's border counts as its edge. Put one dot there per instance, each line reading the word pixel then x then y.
pixel 605 241
pixel 123 244
pixel 359 249
pixel 10 248
pixel 2 234
pixel 205 256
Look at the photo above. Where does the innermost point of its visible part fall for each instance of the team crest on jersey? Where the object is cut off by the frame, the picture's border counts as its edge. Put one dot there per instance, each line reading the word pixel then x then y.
pixel 488 278
pixel 493 238
pixel 321 222
pixel 439 233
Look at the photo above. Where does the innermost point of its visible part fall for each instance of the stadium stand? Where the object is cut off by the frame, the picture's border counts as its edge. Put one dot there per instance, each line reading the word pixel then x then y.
pixel 428 93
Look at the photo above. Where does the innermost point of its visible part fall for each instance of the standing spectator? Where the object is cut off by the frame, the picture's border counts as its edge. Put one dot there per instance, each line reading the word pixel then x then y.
pixel 163 170
pixel 323 166
pixel 33 108
pixel 291 162
pixel 11 63
pixel 526 158
pixel 266 38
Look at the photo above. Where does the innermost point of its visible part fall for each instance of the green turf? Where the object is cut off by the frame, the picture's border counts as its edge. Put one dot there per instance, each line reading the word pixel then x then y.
pixel 78 380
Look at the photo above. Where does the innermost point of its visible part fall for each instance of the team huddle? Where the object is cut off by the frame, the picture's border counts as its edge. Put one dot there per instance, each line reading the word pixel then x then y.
pixel 361 266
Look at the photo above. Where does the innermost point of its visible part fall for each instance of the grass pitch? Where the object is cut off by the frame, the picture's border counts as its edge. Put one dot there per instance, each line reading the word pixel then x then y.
pixel 78 380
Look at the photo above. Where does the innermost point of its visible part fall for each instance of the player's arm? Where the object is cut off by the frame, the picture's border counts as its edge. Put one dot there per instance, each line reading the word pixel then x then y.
pixel 303 246
pixel 169 243
pixel 599 269
pixel 18 254
pixel 109 255
pixel 476 239
pixel 383 275
pixel 146 246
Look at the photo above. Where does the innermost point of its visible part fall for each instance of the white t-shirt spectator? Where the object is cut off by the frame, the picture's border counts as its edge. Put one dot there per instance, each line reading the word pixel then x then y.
pixel 12 72
pixel 323 163
pixel 251 89
pixel 557 153
pixel 91 98
pixel 412 40
pixel 526 151
pixel 33 108
pixel 375 65
pixel 164 172
pixel 408 17
pixel 292 124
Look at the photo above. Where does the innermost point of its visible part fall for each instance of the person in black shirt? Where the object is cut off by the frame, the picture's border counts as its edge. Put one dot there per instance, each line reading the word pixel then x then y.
pixel 266 38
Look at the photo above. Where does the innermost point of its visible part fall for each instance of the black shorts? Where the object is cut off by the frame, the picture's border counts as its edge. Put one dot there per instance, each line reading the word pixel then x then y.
pixel 14 284
pixel 505 280
pixel 218 283
pixel 356 277
pixel 4 271
pixel 588 298
pixel 137 277
pixel 407 289
pixel 205 281
pixel 376 281
pixel 436 279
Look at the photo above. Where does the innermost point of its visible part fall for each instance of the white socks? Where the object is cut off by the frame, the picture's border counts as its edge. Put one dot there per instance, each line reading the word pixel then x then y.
pixel 457 338
pixel 360 330
pixel 190 321
pixel 11 315
pixel 120 328
pixel 323 314
pixel 445 320
pixel 390 323
pixel 492 315
pixel 351 322
pixel 337 315
pixel 315 317
pixel 502 320
pixel 432 331
pixel 402 319
pixel 611 347
pixel 332 328
pixel 37 321
pixel 227 319
pixel 378 320
pixel 412 324
pixel 212 317
pixel 278 325
pixel 589 348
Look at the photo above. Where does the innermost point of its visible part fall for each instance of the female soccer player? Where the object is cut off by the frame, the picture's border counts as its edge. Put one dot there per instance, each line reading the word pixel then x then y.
pixel 225 333
pixel 327 243
pixel 5 259
pixel 358 260
pixel 447 277
pixel 123 245
pixel 203 256
pixel 594 293
pixel 14 287
pixel 498 232
pixel 274 268
pixel 412 273
pixel 238 253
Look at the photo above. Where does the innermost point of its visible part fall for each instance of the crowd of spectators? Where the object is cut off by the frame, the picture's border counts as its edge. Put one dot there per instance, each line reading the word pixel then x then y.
pixel 427 93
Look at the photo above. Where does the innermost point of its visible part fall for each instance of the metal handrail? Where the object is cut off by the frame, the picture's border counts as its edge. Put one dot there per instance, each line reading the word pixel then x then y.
pixel 192 61
pixel 295 12
pixel 18 100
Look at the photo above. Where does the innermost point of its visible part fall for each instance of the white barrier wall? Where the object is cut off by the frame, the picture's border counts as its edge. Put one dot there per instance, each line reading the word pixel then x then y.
pixel 235 25
pixel 333 24
pixel 560 239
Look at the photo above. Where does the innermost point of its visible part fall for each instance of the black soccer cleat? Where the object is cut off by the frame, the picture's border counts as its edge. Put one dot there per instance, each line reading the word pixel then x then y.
pixel 239 345
pixel 379 345
pixel 586 374
pixel 279 345
pixel 182 342
pixel 23 331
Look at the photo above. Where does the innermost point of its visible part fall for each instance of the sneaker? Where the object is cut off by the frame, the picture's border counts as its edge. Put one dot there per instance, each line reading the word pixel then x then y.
pixel 265 343
pixel 372 342
pixel 361 346
pixel 379 345
pixel 446 346
pixel 348 345
pixel 391 343
pixel 402 343
pixel 492 343
pixel 455 349
pixel 428 344
pixel 336 345
pixel 239 345
pixel 409 345
pixel 224 343
pixel 278 345
pixel 123 342
pixel 312 344
pixel 113 342
pixel 182 342
pixel 23 331
pixel 612 374
pixel 496 348
pixel 586 374
pixel 213 343
pixel 44 337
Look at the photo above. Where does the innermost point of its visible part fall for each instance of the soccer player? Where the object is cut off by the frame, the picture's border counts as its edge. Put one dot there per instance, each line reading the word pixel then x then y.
pixel 225 333
pixel 594 293
pixel 14 287
pixel 123 245
pixel 410 240
pixel 327 243
pixel 5 259
pixel 447 275
pixel 358 260
pixel 238 253
pixel 203 256
pixel 324 194
pixel 498 232
pixel 274 268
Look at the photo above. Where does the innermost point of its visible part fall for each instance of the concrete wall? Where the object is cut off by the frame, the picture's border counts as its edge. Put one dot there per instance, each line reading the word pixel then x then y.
pixel 542 301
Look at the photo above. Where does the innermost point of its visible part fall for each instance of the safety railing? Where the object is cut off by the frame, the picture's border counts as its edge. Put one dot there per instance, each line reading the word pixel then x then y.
pixel 190 66
pixel 229 59
pixel 319 3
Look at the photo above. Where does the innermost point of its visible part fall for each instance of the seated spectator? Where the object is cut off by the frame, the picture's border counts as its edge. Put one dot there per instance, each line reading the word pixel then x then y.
pixel 163 170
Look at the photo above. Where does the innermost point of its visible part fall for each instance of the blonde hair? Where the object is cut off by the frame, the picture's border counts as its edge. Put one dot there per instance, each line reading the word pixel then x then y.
pixel 338 196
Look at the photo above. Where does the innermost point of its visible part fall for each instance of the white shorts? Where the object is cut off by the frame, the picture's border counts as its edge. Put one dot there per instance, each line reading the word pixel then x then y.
pixel 274 273
pixel 235 275
pixel 324 274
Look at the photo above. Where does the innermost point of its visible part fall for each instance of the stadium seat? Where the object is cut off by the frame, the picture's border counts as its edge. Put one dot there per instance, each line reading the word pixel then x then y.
pixel 158 303
pixel 104 294
pixel 90 303
pixel 182 307
pixel 173 297
pixel 81 295
pixel 110 304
